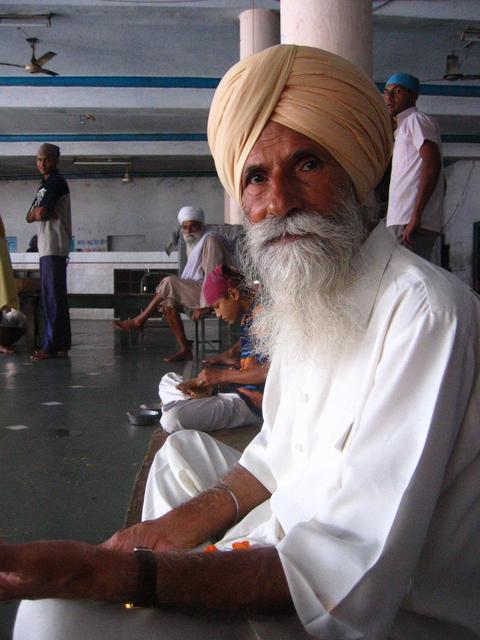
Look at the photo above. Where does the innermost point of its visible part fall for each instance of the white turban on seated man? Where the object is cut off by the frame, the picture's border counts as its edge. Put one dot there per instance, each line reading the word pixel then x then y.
pixel 358 502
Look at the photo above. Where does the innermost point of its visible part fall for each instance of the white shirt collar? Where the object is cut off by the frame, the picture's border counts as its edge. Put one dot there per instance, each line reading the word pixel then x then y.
pixel 404 114
pixel 373 260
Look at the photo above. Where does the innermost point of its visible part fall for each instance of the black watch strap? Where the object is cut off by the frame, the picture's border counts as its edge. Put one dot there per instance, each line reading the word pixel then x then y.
pixel 147 578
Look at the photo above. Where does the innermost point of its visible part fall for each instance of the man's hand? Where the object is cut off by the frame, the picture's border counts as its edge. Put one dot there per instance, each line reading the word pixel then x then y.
pixel 65 569
pixel 37 214
pixel 199 313
pixel 413 227
pixel 153 534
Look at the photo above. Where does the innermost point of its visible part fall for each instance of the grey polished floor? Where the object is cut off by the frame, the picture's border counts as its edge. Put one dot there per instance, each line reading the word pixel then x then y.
pixel 68 456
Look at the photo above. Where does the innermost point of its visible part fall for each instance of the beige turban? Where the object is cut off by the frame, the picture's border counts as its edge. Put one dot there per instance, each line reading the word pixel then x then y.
pixel 311 91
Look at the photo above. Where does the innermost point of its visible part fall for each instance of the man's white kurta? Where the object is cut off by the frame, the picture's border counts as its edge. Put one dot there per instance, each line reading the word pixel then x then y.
pixel 373 460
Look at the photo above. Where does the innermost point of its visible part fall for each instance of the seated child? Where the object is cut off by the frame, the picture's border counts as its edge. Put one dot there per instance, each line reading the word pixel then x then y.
pixel 219 398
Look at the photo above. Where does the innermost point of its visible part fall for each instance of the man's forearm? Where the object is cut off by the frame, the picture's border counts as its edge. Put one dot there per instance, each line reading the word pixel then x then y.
pixel 229 581
pixel 252 375
pixel 200 520
pixel 430 173
pixel 234 350
pixel 37 214
pixel 256 374
pixel 428 182
pixel 212 513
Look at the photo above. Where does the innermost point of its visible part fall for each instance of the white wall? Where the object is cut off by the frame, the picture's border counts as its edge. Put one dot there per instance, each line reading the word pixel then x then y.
pixel 147 206
pixel 461 210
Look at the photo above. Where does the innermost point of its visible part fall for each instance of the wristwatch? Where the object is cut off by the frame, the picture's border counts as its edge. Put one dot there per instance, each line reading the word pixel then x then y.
pixel 147 578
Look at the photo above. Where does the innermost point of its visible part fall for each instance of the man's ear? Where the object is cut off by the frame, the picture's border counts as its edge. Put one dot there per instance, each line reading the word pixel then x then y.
pixel 234 293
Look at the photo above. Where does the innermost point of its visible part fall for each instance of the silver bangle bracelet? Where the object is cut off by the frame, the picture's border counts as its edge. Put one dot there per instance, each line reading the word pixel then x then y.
pixel 234 498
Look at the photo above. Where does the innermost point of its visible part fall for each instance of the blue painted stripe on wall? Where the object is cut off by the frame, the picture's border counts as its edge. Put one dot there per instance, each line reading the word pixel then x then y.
pixel 116 176
pixel 454 90
pixel 159 137
pixel 152 82
pixel 104 137
pixel 188 82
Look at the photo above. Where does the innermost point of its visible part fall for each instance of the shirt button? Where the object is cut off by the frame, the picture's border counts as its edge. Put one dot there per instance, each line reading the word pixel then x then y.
pixel 306 397
pixel 299 447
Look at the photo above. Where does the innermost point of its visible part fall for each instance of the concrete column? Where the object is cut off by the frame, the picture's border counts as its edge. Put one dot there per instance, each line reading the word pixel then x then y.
pixel 344 27
pixel 259 29
pixel 232 214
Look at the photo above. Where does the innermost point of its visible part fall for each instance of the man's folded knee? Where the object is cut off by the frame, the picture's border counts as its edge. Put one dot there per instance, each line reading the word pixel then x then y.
pixel 170 421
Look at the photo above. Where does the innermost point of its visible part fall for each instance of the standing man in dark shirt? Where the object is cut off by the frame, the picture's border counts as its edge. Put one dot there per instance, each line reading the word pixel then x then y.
pixel 51 207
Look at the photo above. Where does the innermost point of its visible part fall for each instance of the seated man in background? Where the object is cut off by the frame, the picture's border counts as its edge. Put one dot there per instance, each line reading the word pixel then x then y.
pixel 358 503
pixel 205 249
pixel 219 398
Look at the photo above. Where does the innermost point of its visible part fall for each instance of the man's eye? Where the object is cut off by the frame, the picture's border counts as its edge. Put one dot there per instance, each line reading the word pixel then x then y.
pixel 310 165
pixel 254 178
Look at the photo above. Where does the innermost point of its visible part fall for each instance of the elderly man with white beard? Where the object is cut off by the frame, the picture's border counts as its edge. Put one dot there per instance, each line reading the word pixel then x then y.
pixel 205 249
pixel 357 504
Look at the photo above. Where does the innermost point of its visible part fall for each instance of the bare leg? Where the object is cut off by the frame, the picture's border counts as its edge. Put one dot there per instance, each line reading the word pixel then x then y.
pixel 5 349
pixel 176 325
pixel 138 322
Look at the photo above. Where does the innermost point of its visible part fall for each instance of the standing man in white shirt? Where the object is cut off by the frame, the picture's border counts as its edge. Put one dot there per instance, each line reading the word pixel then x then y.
pixel 415 203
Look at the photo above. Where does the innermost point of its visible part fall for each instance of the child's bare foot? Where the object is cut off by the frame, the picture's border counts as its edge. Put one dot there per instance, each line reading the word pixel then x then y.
pixel 181 356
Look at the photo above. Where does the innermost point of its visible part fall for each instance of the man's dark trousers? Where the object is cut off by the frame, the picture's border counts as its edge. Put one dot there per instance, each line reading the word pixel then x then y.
pixel 53 277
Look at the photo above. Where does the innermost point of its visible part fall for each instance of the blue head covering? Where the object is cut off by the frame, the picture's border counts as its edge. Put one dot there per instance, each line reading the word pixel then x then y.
pixel 405 80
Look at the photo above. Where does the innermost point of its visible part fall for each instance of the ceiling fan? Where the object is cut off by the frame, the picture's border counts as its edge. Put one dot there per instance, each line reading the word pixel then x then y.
pixel 36 64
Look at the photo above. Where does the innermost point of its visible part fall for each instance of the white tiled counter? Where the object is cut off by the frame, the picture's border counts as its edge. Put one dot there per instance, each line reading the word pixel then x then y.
pixel 92 272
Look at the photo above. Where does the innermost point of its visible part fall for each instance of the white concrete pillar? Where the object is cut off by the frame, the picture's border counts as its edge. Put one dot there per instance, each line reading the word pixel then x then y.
pixel 259 29
pixel 344 27
pixel 232 214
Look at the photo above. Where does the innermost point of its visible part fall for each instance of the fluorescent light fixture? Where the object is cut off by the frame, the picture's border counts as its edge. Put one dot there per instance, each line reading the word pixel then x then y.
pixel 26 19
pixel 470 34
pixel 452 70
pixel 106 162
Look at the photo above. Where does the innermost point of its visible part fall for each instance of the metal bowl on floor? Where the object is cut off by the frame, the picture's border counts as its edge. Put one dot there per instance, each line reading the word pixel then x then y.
pixel 143 417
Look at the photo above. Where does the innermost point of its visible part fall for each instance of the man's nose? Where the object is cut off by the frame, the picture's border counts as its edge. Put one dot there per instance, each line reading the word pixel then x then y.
pixel 283 198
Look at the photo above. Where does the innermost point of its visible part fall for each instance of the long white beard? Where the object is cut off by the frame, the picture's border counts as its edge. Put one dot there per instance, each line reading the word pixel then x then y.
pixel 303 307
pixel 191 239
